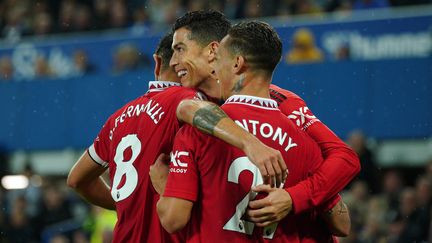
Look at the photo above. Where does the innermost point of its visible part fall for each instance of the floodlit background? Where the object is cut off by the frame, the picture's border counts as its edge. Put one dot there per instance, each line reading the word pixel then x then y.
pixel 363 66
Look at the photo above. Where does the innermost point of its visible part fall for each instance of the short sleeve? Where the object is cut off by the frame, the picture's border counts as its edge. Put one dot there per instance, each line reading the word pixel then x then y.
pixel 99 150
pixel 183 175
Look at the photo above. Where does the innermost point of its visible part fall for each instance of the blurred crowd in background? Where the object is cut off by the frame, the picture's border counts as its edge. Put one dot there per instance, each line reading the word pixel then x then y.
pixel 43 17
pixel 125 57
pixel 129 57
pixel 386 205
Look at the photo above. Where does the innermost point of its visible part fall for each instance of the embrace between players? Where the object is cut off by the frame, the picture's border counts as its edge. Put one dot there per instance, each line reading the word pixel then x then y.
pixel 259 168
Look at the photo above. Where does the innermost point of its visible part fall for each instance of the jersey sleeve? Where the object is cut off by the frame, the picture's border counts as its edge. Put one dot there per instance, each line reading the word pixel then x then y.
pixel 183 175
pixel 340 164
pixel 99 150
pixel 299 113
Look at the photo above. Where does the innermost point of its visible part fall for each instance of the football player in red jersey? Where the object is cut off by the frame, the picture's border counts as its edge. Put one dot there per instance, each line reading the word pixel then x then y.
pixel 135 135
pixel 210 181
pixel 193 50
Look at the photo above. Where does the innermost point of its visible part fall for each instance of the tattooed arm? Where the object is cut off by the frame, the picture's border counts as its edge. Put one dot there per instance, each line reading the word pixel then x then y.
pixel 211 119
pixel 338 219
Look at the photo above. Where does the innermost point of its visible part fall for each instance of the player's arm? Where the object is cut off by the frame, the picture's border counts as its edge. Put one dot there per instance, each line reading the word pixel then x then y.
pixel 339 167
pixel 84 178
pixel 303 196
pixel 181 190
pixel 211 119
pixel 334 211
pixel 159 173
pixel 338 219
pixel 174 213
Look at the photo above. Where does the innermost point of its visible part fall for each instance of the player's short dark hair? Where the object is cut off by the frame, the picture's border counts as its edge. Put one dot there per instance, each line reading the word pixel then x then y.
pixel 257 42
pixel 205 25
pixel 164 50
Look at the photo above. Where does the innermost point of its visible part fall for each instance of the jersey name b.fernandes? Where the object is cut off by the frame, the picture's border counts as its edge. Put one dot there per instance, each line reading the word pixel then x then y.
pixel 129 142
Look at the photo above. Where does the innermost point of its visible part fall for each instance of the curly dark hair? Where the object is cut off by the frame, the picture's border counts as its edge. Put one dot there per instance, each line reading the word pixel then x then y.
pixel 257 42
pixel 205 25
pixel 164 50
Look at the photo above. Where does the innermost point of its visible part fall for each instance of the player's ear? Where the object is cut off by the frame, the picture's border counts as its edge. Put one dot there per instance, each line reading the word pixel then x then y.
pixel 212 50
pixel 158 64
pixel 239 65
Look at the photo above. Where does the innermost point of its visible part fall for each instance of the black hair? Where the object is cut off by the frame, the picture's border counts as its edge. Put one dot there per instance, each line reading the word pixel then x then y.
pixel 257 42
pixel 205 25
pixel 164 50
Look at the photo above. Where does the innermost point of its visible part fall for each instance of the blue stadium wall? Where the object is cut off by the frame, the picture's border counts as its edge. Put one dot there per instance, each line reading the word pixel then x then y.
pixel 384 92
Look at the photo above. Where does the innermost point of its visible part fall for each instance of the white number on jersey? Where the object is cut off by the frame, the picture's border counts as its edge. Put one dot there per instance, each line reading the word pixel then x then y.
pixel 125 168
pixel 236 223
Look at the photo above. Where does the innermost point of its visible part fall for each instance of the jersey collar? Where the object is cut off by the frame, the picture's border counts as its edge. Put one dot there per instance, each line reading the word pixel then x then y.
pixel 156 86
pixel 259 102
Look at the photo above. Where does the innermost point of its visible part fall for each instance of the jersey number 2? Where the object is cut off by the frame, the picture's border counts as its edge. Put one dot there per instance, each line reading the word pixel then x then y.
pixel 236 223
pixel 125 168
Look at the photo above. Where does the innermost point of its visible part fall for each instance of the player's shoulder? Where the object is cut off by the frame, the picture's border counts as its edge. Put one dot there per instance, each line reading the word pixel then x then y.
pixel 188 129
pixel 139 100
pixel 192 135
pixel 287 100
pixel 179 90
pixel 279 93
pixel 178 93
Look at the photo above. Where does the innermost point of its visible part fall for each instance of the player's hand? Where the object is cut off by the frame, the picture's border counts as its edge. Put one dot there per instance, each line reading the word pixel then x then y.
pixel 159 173
pixel 271 209
pixel 269 161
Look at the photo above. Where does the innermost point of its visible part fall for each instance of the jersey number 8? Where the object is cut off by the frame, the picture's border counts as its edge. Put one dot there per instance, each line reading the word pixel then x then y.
pixel 125 168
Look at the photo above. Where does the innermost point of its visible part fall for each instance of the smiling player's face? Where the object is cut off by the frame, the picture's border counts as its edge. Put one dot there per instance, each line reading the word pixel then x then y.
pixel 189 60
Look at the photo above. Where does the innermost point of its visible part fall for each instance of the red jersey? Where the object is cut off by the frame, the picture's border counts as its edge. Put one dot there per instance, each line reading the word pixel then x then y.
pixel 218 177
pixel 340 165
pixel 129 142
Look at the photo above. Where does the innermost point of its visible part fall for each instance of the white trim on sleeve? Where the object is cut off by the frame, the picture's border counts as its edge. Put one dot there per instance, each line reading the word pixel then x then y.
pixel 95 156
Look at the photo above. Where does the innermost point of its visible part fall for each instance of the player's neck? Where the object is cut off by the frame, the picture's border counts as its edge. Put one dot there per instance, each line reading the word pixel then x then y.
pixel 211 88
pixel 168 76
pixel 255 85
